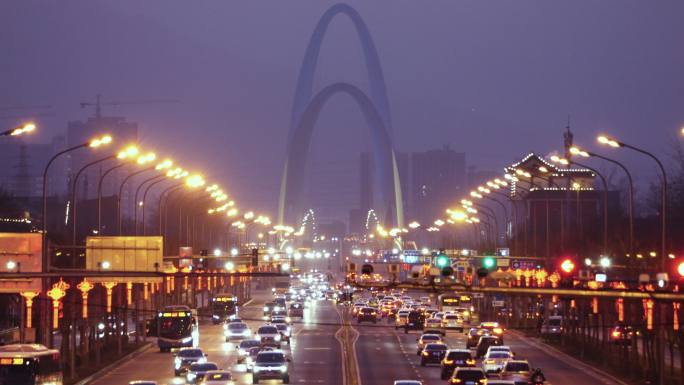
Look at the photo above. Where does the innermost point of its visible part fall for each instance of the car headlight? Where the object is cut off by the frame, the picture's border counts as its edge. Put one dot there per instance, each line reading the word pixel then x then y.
pixel 283 368
pixel 242 352
pixel 256 369
pixel 215 316
pixel 186 339
pixel 277 337
pixel 265 308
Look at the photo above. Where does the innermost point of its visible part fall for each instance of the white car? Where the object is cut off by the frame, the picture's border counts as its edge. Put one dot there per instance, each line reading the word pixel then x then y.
pixel 217 377
pixel 269 335
pixel 237 330
pixel 500 348
pixel 493 362
pixel 452 321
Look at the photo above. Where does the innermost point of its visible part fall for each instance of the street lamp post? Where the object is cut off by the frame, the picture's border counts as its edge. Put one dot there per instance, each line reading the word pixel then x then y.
pixel 99 193
pixel 137 191
pixel 73 196
pixel 663 193
pixel 630 195
pixel 605 203
pixel 118 198
pixel 144 231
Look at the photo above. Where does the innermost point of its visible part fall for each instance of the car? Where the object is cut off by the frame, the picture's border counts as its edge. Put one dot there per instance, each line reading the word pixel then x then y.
pixel 280 319
pixel 518 371
pixel 484 344
pixel 357 306
pixel 296 310
pixel 468 376
pixel 425 300
pixel 432 323
pixel 367 314
pixel 464 312
pixel 197 371
pixel 621 334
pixel 237 330
pixel 427 339
pixel 271 365
pixel 243 349
pixel 552 327
pixel 439 331
pixel 278 313
pixel 414 321
pixel 455 358
pixel 432 354
pixel 269 307
pixel 500 348
pixel 285 332
pixel 186 357
pixel 281 303
pixel 401 318
pixel 269 335
pixel 253 352
pixel 218 377
pixel 452 321
pixel 474 335
pixel 493 362
pixel 494 329
pixel 408 382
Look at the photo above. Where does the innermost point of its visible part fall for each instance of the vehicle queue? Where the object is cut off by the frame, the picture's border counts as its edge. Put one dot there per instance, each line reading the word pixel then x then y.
pixel 484 359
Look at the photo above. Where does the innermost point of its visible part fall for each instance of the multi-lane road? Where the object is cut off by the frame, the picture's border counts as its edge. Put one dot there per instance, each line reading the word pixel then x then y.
pixel 383 354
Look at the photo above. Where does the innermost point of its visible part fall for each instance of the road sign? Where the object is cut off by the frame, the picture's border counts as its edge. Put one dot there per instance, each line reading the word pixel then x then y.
pixel 503 262
pixel 496 303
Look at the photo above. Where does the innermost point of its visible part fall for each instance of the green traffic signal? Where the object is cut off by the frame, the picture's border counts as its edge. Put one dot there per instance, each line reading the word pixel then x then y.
pixel 488 262
pixel 442 261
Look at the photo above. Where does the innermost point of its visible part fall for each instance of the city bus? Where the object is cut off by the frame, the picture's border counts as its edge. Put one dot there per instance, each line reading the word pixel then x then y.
pixel 448 302
pixel 177 327
pixel 29 364
pixel 224 306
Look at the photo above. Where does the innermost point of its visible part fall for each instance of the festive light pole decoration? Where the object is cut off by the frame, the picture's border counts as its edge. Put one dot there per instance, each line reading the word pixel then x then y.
pixel 554 278
pixel 57 292
pixel 85 286
pixel 620 304
pixel 594 305
pixel 146 293
pixel 675 316
pixel 648 309
pixel 129 293
pixel 29 296
pixel 528 274
pixel 518 276
pixel 109 286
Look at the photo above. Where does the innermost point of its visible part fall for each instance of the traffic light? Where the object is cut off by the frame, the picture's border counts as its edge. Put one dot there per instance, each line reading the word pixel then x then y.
pixel 255 257
pixel 489 263
pixel 680 269
pixel 567 268
pixel 442 261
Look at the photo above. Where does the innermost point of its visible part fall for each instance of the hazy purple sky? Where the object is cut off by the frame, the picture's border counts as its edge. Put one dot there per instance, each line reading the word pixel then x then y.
pixel 493 78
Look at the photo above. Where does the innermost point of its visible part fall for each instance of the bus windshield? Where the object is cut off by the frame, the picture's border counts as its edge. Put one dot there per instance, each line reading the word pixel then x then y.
pixel 175 327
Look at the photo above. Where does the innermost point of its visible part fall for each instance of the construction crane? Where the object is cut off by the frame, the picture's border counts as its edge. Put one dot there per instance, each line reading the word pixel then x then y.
pixel 98 103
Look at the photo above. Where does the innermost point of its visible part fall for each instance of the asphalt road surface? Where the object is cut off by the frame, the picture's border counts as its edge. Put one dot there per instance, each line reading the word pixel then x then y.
pixel 383 353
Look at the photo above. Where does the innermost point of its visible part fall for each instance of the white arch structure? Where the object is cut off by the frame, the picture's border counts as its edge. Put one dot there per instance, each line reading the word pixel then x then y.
pixel 306 109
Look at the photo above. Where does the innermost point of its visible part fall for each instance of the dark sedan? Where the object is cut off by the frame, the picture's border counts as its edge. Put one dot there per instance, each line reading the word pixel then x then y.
pixel 432 354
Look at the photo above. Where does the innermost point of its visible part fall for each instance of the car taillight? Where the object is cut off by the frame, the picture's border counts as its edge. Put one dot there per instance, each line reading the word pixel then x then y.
pixel 470 362
pixel 448 362
pixel 616 334
pixel 490 362
pixel 455 380
pixel 498 330
pixel 426 353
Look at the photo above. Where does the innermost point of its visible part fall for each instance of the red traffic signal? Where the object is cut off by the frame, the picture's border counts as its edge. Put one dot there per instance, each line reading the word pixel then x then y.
pixel 567 266
pixel 680 269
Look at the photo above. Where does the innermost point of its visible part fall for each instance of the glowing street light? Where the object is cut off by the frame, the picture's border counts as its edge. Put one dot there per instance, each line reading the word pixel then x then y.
pixel 20 130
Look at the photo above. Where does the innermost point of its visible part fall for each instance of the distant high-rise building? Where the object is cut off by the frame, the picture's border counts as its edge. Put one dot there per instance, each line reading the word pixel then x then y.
pixel 437 177
pixel 478 177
